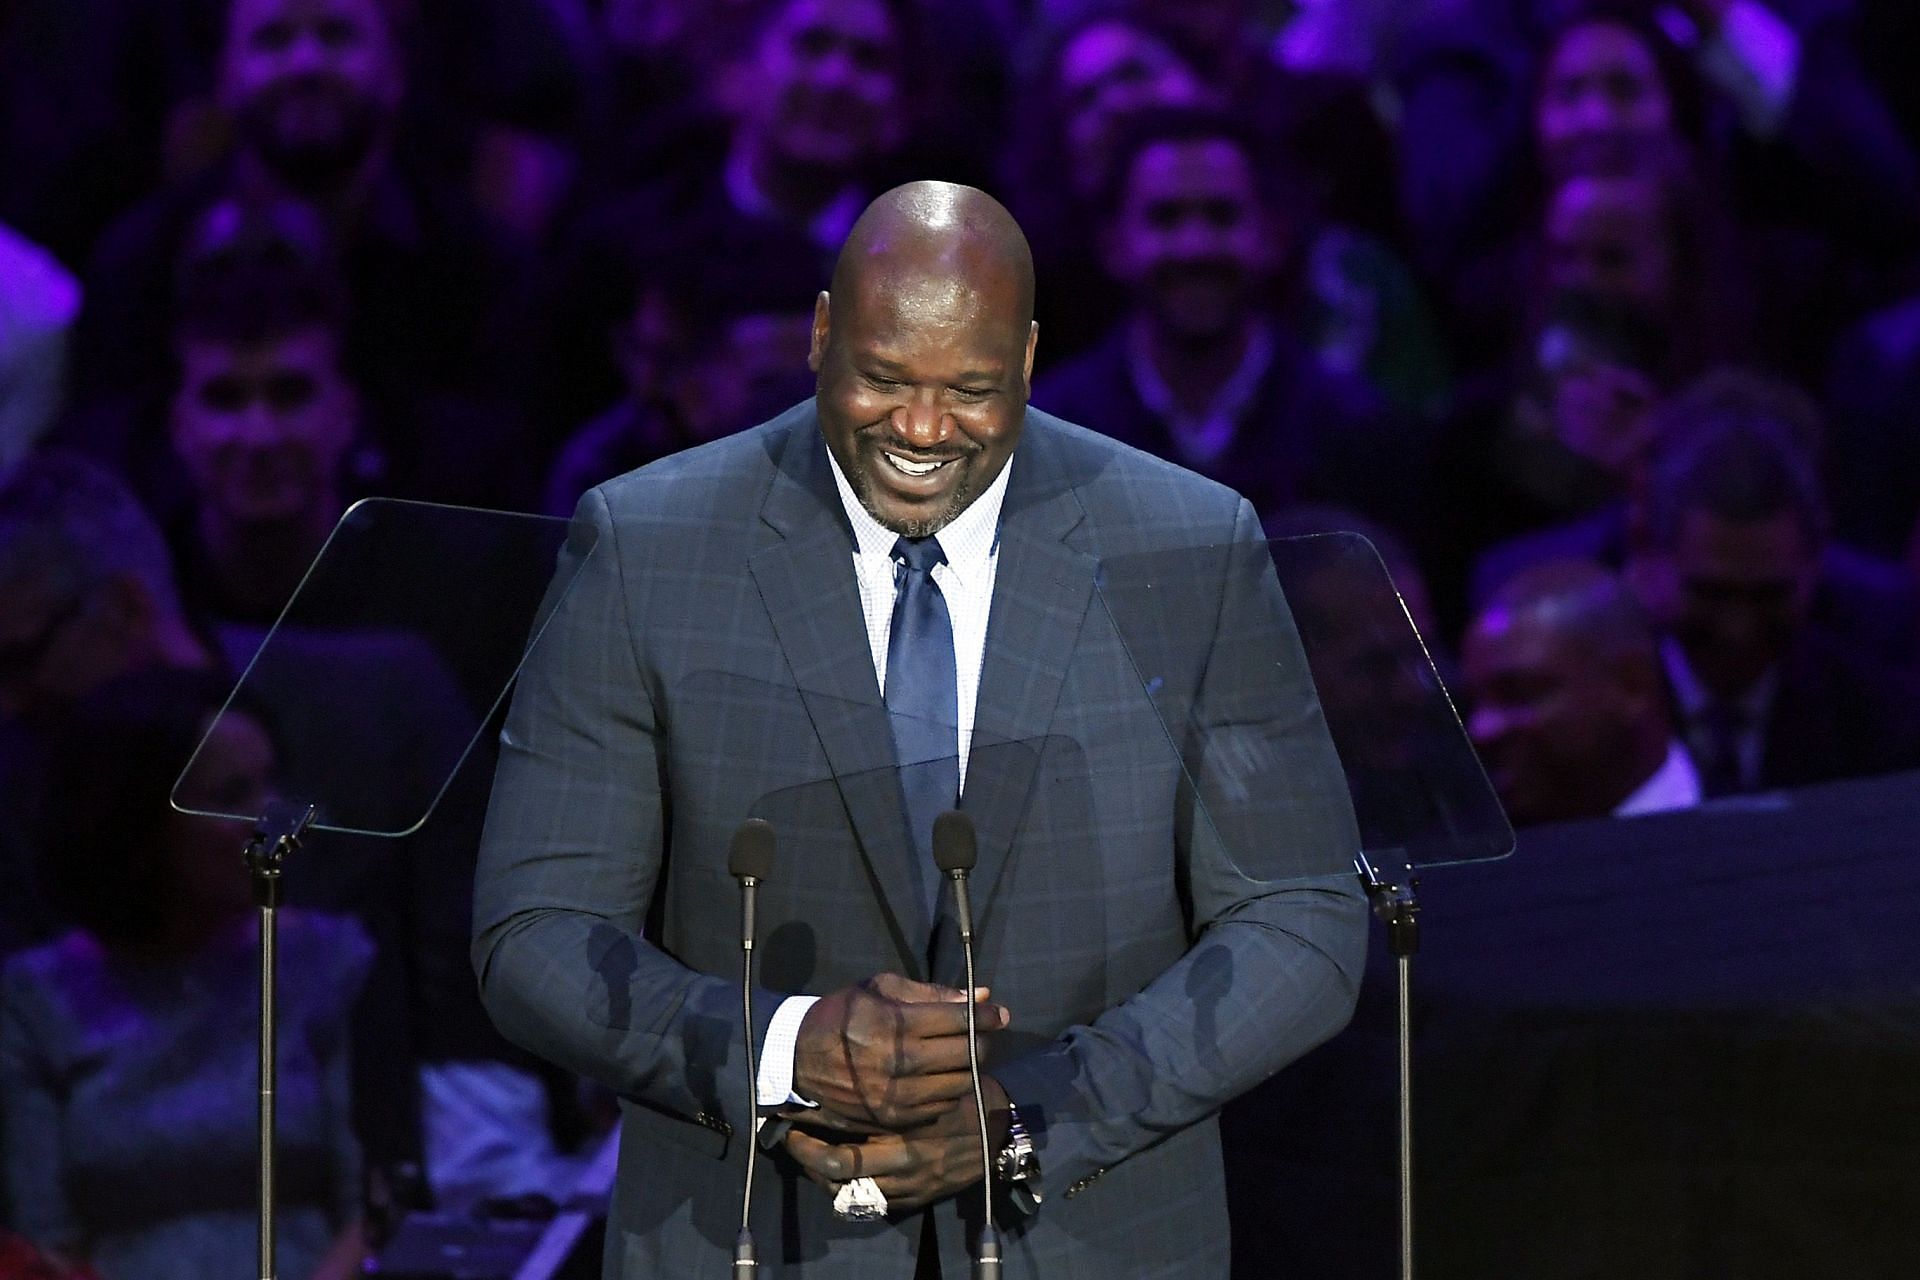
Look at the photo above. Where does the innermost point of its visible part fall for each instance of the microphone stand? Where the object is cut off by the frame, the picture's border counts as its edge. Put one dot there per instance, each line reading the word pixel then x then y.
pixel 748 861
pixel 955 852
pixel 1397 902
pixel 277 834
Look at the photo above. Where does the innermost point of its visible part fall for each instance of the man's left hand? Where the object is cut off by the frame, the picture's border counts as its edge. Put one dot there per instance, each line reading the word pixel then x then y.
pixel 915 1168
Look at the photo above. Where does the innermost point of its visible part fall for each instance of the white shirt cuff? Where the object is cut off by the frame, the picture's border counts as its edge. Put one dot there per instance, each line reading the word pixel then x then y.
pixel 775 1085
pixel 1754 57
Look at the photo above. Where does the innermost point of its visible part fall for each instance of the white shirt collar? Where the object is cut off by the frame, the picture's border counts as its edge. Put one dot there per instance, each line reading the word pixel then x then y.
pixel 968 541
pixel 1674 785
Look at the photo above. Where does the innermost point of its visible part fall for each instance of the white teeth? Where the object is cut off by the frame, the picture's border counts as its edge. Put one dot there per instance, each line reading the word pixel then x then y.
pixel 913 468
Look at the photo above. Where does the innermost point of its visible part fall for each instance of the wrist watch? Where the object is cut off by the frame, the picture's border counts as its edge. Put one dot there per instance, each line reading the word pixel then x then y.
pixel 1017 1165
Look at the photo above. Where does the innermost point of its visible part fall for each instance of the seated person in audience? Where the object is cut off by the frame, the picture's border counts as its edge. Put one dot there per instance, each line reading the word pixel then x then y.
pixel 1860 597
pixel 314 89
pixel 263 418
pixel 1725 556
pixel 1107 64
pixel 815 117
pixel 1566 702
pixel 1500 97
pixel 1201 370
pixel 87 595
pixel 127 1046
pixel 706 346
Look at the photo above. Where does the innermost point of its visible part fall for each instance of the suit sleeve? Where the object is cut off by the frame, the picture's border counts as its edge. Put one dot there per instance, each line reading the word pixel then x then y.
pixel 1278 918
pixel 574 844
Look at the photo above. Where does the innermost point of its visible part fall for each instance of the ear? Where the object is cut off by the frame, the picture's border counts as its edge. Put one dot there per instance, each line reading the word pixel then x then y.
pixel 822 331
pixel 1026 369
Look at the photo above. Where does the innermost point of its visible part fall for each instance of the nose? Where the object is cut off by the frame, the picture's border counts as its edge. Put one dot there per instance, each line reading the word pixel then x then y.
pixel 922 422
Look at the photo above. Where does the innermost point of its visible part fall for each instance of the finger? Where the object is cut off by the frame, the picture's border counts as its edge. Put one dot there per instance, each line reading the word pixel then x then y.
pixel 906 990
pixel 824 1160
pixel 937 1020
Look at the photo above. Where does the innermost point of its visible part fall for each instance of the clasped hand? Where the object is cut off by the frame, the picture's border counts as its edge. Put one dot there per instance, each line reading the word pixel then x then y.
pixel 886 1061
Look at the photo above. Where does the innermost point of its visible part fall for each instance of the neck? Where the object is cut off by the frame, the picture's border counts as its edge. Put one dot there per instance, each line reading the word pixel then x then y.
pixel 1195 370
pixel 258 565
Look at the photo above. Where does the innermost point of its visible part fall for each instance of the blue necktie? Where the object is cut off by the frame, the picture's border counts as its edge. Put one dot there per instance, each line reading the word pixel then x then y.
pixel 923 700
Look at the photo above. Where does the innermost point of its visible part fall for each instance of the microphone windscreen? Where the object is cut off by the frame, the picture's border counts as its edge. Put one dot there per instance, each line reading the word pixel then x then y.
pixel 752 851
pixel 954 847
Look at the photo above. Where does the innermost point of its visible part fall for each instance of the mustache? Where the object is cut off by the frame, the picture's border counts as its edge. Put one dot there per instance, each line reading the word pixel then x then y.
pixel 880 437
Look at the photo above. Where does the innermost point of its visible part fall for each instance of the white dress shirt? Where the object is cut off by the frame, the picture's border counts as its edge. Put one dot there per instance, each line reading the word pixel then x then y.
pixel 972 546
pixel 1674 785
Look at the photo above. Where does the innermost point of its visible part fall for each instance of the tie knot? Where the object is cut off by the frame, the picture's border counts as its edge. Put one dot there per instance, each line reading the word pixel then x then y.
pixel 919 554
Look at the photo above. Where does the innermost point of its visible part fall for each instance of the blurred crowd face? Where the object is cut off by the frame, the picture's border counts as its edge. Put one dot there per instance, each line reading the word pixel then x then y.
pixel 920 371
pixel 1610 239
pixel 312 84
pixel 1107 72
pixel 231 774
pixel 263 428
pixel 1733 593
pixel 1192 239
pixel 1601 98
pixel 825 89
pixel 746 375
pixel 1553 723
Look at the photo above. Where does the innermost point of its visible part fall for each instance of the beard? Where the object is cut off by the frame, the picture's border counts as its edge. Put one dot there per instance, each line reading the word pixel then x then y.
pixel 314 134
pixel 866 457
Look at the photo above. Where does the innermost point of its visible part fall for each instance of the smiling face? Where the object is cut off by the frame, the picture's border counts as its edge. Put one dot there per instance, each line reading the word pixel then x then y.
pixel 922 384
pixel 262 429
pixel 826 86
pixel 1191 237
pixel 1600 98
pixel 311 82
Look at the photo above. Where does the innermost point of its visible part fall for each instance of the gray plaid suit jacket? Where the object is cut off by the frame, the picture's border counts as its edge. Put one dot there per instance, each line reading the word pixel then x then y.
pixel 711 663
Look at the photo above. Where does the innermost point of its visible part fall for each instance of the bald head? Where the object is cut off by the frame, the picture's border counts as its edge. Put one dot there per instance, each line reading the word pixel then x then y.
pixel 1567 704
pixel 938 230
pixel 1579 603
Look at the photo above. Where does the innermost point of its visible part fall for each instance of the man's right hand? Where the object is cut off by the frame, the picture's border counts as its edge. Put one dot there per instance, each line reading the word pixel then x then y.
pixel 887 1055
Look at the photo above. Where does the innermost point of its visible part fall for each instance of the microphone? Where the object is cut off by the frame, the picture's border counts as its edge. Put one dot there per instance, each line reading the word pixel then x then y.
pixel 955 850
pixel 749 859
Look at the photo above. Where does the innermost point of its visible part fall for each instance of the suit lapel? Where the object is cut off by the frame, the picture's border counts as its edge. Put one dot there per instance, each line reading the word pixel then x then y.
pixel 1042 588
pixel 806 582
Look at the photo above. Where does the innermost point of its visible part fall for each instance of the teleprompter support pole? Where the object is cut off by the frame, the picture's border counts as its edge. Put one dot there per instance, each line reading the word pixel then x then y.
pixel 1396 901
pixel 274 837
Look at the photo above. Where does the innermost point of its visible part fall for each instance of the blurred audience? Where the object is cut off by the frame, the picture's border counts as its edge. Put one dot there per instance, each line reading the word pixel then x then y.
pixel 1499 284
pixel 127 1046
pixel 1566 701
pixel 1726 559
pixel 314 88
pixel 1200 367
